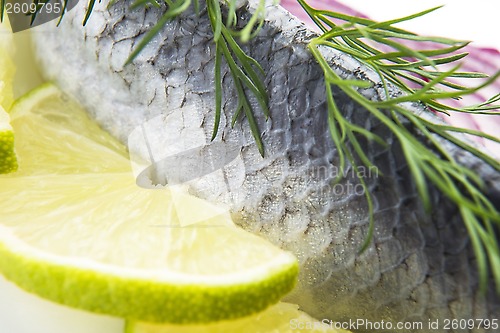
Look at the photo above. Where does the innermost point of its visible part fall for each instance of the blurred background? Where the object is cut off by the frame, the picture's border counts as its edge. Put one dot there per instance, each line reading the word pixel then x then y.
pixel 476 20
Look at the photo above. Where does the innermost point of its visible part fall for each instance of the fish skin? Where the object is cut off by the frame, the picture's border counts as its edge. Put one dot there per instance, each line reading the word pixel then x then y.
pixel 419 266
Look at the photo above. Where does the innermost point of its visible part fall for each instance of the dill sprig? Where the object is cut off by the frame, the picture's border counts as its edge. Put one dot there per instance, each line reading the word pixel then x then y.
pixel 398 66
pixel 173 10
pixel 246 72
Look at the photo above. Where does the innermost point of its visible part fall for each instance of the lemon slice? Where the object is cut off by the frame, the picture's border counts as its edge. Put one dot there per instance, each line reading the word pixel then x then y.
pixel 76 229
pixel 280 318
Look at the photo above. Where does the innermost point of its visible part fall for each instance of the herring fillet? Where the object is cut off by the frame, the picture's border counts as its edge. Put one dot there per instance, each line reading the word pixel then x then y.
pixel 420 265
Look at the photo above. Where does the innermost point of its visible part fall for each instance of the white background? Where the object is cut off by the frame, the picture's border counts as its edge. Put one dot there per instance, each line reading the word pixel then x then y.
pixel 476 20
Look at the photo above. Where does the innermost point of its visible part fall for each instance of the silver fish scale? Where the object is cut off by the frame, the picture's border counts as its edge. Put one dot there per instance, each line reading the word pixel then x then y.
pixel 419 265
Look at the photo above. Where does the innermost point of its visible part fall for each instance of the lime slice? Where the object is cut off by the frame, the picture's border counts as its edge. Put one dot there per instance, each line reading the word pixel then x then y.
pixel 76 229
pixel 55 136
pixel 7 156
pixel 8 161
pixel 7 68
pixel 280 318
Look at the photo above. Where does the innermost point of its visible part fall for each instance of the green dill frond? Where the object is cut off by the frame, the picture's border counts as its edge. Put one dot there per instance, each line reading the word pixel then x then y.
pixel 174 9
pixel 90 8
pixel 2 9
pixel 64 8
pixel 417 74
pixel 246 72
